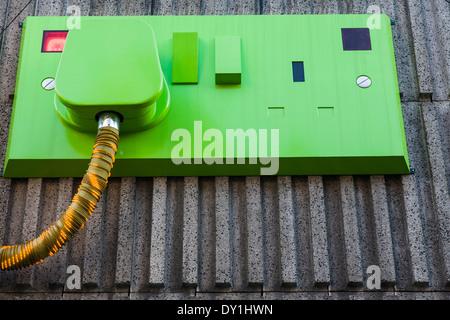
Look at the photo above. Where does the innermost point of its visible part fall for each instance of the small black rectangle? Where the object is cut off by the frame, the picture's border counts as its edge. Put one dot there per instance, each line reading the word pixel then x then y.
pixel 298 71
pixel 356 39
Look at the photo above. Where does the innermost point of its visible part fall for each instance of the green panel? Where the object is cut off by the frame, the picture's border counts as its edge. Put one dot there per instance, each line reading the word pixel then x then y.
pixel 228 60
pixel 324 125
pixel 185 57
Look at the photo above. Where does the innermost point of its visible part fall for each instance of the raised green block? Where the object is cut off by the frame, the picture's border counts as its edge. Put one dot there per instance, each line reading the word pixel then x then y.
pixel 228 60
pixel 185 57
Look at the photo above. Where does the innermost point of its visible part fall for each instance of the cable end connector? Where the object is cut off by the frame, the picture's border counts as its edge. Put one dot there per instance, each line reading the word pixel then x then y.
pixel 109 119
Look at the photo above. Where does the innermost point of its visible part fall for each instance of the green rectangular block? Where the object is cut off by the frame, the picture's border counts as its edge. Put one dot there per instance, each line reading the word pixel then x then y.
pixel 329 123
pixel 228 60
pixel 185 57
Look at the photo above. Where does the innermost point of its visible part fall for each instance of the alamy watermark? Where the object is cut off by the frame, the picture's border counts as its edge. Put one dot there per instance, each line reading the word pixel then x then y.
pixel 74 279
pixel 74 19
pixel 237 147
pixel 374 21
pixel 374 279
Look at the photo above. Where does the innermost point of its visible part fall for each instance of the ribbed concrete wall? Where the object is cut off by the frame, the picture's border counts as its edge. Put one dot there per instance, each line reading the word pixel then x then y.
pixel 252 237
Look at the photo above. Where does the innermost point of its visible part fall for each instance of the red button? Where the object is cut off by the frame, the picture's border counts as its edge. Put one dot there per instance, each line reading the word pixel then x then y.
pixel 54 41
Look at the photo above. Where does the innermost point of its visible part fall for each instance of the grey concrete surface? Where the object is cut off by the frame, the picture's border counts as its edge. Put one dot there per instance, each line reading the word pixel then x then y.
pixel 252 237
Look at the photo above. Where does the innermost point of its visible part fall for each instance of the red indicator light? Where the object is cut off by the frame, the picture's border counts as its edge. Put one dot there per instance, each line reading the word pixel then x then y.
pixel 54 41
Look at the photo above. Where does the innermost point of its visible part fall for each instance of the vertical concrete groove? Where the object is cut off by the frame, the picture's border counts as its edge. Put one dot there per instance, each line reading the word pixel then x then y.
pixel 400 241
pixel 92 249
pixel 438 175
pixel 4 10
pixel 254 231
pixel 10 48
pixel 13 234
pixel 287 231
pixel 319 232
pixel 271 233
pixel 190 231
pixel 414 223
pixel 442 18
pixel 109 235
pixel 207 234
pixel 5 203
pixel 142 226
pixel 335 234
pixel 223 244
pixel 420 49
pixel 157 233
pixel 126 231
pixel 174 233
pixel 439 79
pixel 366 223
pixel 49 8
pixel 351 231
pixel 57 269
pixel 31 221
pixel 382 229
pixel 405 54
pixel 388 7
pixel 303 233
pixel 238 234
pixel 41 278
pixel 416 139
pixel 158 230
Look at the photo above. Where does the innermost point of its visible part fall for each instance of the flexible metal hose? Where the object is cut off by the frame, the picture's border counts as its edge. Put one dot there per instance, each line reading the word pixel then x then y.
pixel 83 203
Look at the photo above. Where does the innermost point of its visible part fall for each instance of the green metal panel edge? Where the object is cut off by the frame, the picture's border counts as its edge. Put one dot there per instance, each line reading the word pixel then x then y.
pixel 399 103
pixel 16 89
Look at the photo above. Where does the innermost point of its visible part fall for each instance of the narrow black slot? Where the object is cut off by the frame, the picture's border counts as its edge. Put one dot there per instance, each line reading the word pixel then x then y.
pixel 298 71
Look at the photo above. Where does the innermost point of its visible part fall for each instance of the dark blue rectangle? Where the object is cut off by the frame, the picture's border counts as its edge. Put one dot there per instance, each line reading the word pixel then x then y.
pixel 298 71
pixel 356 39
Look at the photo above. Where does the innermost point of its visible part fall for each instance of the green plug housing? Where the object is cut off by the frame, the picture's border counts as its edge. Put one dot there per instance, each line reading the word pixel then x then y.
pixel 110 65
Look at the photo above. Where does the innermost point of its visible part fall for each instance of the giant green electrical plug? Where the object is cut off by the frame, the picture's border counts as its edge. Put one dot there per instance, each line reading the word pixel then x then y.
pixel 111 65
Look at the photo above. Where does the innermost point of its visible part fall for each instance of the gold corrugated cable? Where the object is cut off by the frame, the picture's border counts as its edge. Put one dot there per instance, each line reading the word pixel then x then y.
pixel 83 203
